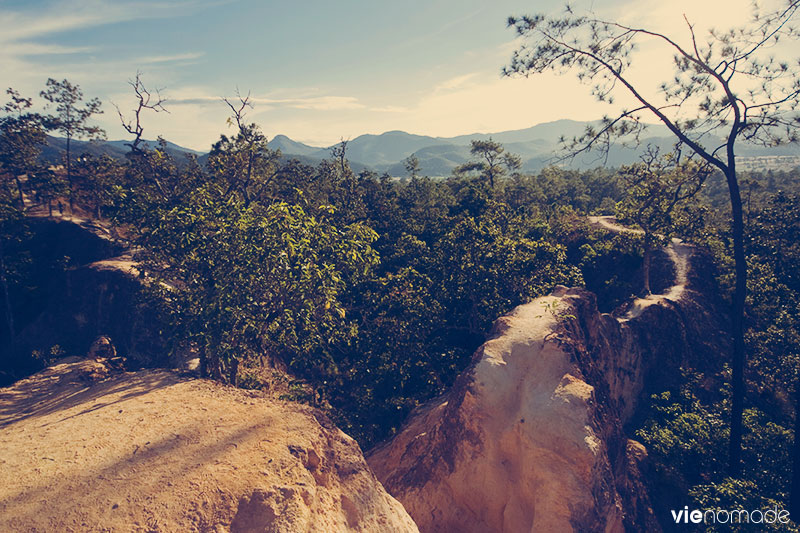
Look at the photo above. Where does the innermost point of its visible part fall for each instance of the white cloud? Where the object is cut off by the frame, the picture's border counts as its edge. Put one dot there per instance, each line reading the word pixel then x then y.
pixel 455 103
pixel 67 15
pixel 168 58
pixel 458 82
pixel 490 103
pixel 316 103
pixel 320 103
pixel 390 109
pixel 23 49
pixel 71 15
pixel 22 55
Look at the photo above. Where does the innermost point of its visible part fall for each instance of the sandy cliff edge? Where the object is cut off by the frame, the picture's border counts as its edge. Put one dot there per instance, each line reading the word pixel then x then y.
pixel 84 449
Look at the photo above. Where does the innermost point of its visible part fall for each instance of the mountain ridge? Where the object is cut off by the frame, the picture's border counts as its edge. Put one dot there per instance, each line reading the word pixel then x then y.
pixel 538 146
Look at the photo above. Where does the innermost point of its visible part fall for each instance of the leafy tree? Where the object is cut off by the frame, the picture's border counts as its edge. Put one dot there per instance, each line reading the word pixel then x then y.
pixel 493 161
pixel 656 190
pixel 487 265
pixel 21 140
pixel 344 185
pixel 10 218
pixel 240 281
pixel 95 178
pixel 411 164
pixel 71 118
pixel 686 440
pixel 426 207
pixel 397 359
pixel 726 84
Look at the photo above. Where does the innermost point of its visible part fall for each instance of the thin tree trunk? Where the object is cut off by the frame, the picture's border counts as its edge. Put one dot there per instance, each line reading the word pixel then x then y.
pixel 19 190
pixel 210 364
pixel 69 175
pixel 737 327
pixel 646 264
pixel 203 363
pixel 234 373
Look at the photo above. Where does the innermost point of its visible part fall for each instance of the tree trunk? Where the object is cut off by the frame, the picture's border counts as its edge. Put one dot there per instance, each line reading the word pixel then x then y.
pixel 69 175
pixel 210 364
pixel 646 264
pixel 19 190
pixel 737 326
pixel 233 374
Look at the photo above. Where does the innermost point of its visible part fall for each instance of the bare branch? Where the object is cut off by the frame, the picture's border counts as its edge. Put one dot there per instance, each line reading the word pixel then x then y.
pixel 144 100
pixel 239 109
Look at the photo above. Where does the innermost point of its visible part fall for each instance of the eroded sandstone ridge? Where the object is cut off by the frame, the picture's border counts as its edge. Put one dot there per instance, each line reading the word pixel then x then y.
pixel 88 448
pixel 531 436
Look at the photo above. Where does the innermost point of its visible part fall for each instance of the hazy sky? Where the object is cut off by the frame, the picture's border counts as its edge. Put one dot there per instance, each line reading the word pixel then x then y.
pixel 318 71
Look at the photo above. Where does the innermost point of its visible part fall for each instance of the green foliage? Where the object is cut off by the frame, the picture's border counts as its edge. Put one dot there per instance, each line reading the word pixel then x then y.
pixel 71 118
pixel 735 494
pixel 493 162
pixel 685 437
pixel 686 440
pixel 657 193
pixel 94 181
pixel 71 115
pixel 488 265
pixel 243 281
pixel 21 139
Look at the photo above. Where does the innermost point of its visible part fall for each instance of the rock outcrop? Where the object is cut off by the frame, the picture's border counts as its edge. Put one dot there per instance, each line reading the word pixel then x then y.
pixel 88 449
pixel 531 436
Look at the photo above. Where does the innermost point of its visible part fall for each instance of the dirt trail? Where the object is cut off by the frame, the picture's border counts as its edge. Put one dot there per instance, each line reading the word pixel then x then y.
pixel 678 252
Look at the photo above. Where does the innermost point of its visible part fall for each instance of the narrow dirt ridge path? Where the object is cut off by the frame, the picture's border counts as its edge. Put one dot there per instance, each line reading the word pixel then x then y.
pixel 678 253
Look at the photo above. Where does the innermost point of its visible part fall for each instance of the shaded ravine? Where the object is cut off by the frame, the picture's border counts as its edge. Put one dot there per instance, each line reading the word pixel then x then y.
pixel 99 293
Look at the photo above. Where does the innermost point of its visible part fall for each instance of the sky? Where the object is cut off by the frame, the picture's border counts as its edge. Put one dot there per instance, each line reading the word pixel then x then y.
pixel 317 71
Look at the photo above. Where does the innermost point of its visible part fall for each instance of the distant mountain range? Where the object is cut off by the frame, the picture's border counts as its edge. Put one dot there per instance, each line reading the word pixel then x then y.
pixel 56 146
pixel 537 146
